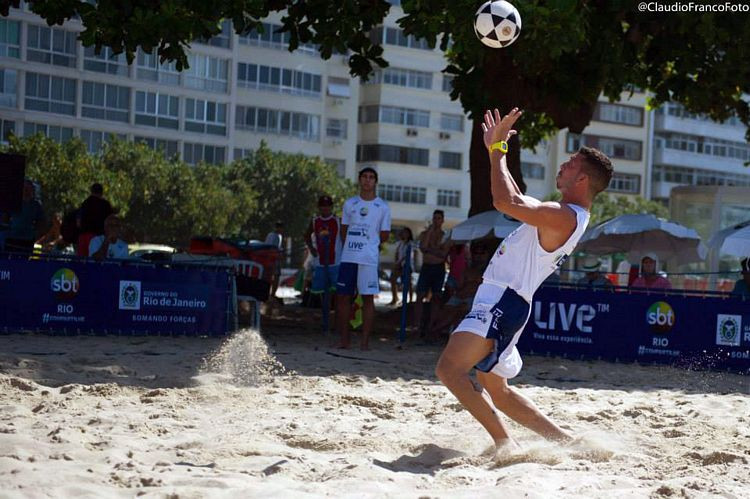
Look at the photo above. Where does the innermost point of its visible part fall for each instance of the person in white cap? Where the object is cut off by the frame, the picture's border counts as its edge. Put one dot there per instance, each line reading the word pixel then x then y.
pixel 593 278
pixel 649 277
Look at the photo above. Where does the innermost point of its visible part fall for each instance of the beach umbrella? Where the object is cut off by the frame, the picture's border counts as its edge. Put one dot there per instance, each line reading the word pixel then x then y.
pixel 641 234
pixel 734 241
pixel 484 224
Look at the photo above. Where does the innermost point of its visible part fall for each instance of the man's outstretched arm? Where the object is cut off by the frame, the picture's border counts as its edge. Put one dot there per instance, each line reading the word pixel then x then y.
pixel 506 196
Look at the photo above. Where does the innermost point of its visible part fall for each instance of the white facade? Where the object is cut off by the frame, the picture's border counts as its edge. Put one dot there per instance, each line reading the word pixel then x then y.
pixel 241 90
pixel 692 150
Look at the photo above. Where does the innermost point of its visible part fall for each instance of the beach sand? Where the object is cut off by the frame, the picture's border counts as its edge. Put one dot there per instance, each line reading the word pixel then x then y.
pixel 239 417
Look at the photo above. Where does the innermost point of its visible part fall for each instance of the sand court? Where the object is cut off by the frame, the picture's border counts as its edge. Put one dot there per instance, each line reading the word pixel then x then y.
pixel 285 416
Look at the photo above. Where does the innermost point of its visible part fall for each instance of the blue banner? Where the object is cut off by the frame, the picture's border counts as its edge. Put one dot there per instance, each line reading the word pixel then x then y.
pixel 73 296
pixel 687 331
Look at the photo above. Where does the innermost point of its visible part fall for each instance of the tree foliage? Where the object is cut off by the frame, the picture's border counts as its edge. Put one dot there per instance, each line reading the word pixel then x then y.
pixel 570 52
pixel 168 201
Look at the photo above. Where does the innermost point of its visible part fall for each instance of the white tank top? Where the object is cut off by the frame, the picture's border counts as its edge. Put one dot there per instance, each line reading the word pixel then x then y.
pixel 521 264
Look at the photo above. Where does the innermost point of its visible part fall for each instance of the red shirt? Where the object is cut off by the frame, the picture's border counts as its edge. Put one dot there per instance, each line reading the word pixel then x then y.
pixel 326 237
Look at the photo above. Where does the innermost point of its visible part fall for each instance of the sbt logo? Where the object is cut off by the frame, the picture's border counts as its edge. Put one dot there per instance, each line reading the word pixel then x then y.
pixel 660 317
pixel 64 284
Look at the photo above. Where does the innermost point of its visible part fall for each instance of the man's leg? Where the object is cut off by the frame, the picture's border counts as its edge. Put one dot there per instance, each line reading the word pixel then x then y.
pixel 519 408
pixel 462 353
pixel 368 315
pixel 343 307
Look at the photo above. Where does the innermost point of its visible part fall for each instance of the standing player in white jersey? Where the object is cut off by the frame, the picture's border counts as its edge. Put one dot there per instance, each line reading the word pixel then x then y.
pixel 487 337
pixel 365 224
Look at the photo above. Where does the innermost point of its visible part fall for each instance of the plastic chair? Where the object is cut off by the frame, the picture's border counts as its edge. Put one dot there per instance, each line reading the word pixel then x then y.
pixel 250 268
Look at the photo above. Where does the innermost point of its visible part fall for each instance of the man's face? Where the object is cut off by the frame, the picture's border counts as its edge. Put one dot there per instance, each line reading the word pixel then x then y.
pixel 367 181
pixel 648 266
pixel 569 172
pixel 325 210
pixel 437 220
pixel 112 229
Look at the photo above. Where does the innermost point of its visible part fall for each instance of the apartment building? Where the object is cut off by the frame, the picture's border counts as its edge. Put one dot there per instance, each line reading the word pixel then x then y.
pixel 240 90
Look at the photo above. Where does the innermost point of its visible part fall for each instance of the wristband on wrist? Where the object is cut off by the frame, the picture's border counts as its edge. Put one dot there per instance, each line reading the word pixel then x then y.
pixel 501 146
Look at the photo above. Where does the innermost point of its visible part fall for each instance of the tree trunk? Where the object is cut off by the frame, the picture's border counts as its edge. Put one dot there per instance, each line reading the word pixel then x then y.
pixel 479 169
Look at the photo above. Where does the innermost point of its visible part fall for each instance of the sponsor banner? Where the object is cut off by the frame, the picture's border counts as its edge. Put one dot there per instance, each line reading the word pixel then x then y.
pixel 650 328
pixel 73 296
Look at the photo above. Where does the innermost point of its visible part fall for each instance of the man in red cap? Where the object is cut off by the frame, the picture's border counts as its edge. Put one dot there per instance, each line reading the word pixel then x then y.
pixel 323 239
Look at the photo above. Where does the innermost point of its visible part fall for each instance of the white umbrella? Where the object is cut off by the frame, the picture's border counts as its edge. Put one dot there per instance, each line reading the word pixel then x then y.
pixel 481 224
pixel 733 241
pixel 640 234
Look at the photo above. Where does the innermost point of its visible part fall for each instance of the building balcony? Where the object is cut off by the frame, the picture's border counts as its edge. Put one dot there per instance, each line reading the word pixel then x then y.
pixel 675 157
pixel 664 123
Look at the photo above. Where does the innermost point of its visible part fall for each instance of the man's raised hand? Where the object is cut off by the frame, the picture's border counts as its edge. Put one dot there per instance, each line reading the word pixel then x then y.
pixel 497 128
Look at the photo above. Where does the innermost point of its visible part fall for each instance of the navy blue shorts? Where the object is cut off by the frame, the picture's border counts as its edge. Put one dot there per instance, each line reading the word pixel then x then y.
pixel 431 278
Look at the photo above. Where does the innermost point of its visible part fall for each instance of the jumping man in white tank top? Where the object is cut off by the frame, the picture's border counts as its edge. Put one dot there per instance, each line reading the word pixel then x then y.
pixel 486 338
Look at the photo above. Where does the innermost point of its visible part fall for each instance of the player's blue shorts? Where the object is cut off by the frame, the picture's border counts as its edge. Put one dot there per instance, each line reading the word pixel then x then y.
pixel 323 280
pixel 355 277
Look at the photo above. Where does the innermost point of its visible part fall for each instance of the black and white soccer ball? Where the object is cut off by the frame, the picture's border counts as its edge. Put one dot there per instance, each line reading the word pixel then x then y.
pixel 497 23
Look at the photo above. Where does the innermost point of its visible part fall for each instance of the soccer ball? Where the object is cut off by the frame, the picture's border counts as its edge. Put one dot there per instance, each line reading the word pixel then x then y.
pixel 497 23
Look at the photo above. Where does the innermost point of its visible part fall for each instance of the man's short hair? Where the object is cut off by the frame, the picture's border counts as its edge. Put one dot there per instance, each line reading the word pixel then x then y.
pixel 368 169
pixel 745 264
pixel 598 167
pixel 279 225
pixel 438 212
pixel 97 188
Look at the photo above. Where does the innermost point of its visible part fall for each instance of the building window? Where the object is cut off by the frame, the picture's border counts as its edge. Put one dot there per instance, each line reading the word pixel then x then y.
pixel 52 94
pixel 448 83
pixel 532 170
pixel 339 87
pixel 95 139
pixel 695 176
pixel 223 39
pixel 273 79
pixel 195 153
pixel 452 122
pixel 402 194
pixel 105 62
pixel 396 36
pixel 336 128
pixel 59 134
pixel 51 46
pixel 167 147
pixel 156 109
pixel 618 113
pixel 402 78
pixel 240 153
pixel 262 120
pixel 626 183
pixel 206 73
pixel 446 197
pixel 10 36
pixel 270 37
pixel 205 117
pixel 8 90
pixel 339 164
pixel 105 102
pixel 7 127
pixel 393 154
pixel 396 115
pixel 612 147
pixel 450 160
pixel 149 68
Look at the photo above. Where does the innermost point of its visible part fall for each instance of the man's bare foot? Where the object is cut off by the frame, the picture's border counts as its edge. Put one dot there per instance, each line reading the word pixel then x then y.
pixel 506 446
